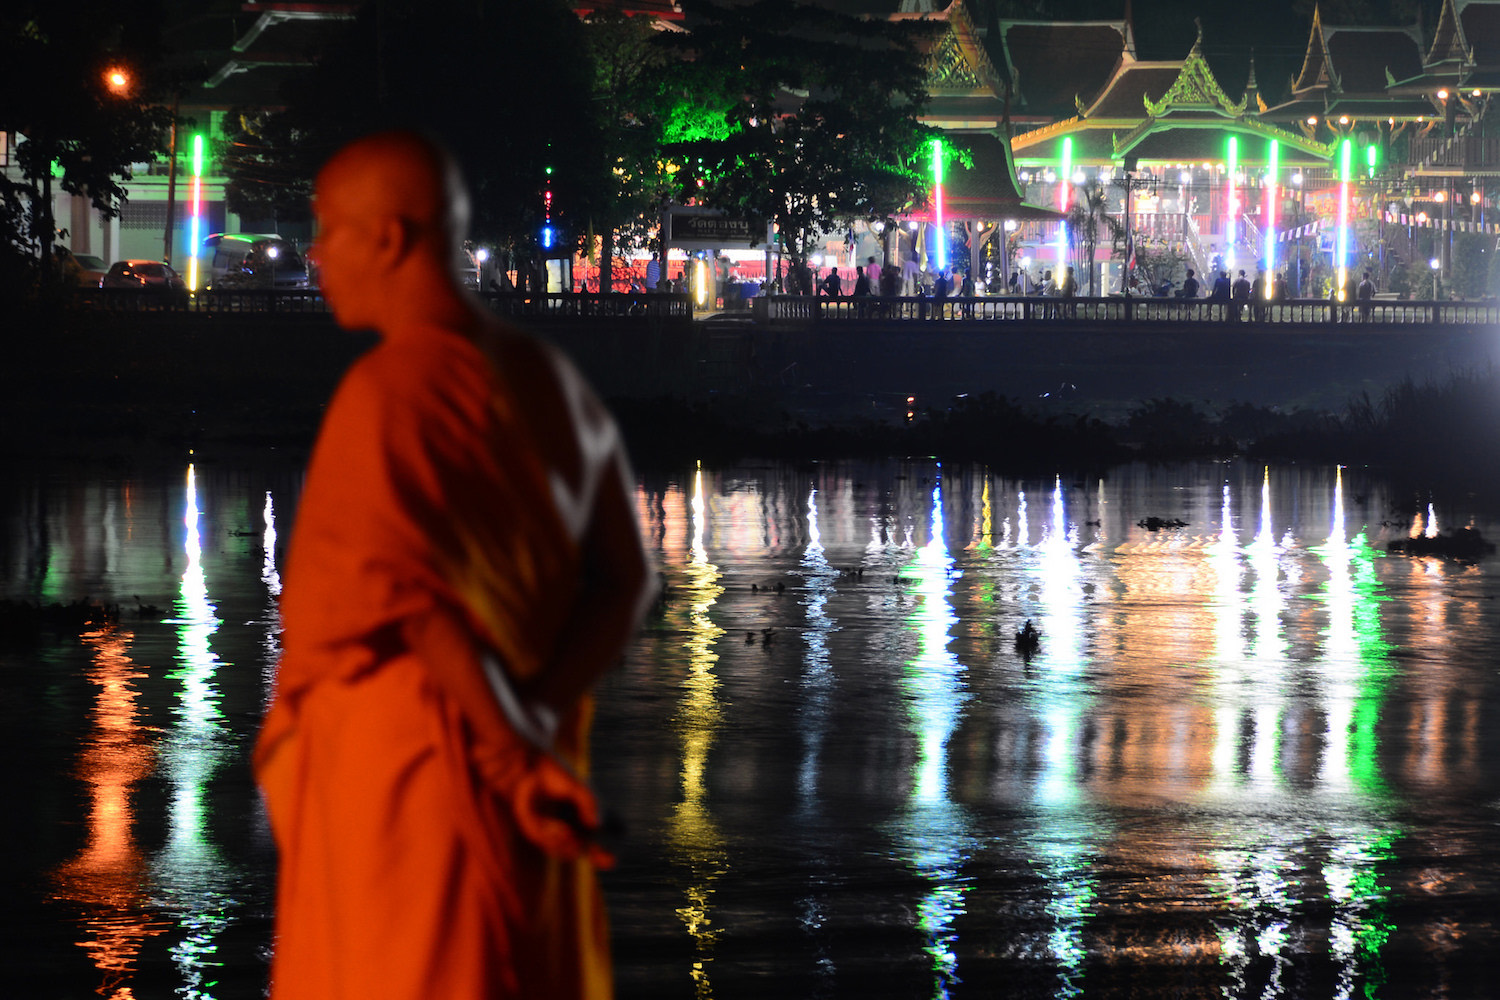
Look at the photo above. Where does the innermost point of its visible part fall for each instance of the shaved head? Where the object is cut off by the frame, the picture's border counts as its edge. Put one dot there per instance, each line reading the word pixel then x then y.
pixel 399 174
pixel 391 210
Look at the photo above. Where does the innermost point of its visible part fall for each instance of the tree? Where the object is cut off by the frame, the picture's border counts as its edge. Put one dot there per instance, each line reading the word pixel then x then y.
pixel 1089 213
pixel 627 64
pixel 518 118
pixel 796 114
pixel 82 130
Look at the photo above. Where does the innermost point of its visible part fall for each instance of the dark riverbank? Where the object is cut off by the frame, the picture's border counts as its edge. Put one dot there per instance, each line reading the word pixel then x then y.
pixel 92 384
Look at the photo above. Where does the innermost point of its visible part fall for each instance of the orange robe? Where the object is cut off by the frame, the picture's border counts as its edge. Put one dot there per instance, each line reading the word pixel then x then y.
pixel 431 526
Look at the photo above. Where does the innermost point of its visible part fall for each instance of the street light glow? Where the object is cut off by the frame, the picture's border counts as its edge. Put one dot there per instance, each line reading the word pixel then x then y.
pixel 1346 154
pixel 195 230
pixel 1270 211
pixel 937 201
pixel 1063 191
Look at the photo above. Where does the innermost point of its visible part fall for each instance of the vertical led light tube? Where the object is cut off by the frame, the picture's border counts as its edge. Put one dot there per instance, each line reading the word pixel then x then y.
pixel 1272 197
pixel 1346 152
pixel 195 230
pixel 941 250
pixel 1064 196
pixel 1231 194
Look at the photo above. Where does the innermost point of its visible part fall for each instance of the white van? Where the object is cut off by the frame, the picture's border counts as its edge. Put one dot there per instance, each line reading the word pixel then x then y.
pixel 234 261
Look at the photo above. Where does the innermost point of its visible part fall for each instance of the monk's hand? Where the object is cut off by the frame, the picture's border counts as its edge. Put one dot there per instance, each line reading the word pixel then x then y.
pixel 559 814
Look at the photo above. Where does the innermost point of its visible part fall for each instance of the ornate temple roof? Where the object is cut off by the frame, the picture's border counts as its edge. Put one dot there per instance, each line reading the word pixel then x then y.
pixel 966 90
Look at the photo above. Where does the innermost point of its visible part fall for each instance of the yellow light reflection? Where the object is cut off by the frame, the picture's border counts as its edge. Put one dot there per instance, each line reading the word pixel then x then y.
pixel 693 831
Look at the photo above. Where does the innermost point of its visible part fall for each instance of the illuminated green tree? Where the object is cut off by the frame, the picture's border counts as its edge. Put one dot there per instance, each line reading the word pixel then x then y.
pixel 796 114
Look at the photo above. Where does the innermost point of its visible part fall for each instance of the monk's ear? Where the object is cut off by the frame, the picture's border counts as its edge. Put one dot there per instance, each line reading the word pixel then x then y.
pixel 393 239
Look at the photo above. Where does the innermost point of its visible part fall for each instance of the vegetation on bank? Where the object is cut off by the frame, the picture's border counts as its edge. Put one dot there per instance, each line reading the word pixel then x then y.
pixel 92 385
pixel 1443 435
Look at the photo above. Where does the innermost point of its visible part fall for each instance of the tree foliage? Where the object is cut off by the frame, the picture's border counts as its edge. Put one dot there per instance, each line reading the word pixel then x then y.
pixel 627 65
pixel 807 117
pixel 504 85
pixel 79 135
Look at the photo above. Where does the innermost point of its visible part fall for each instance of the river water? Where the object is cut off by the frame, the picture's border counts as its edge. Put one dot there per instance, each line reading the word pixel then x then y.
pixel 1254 755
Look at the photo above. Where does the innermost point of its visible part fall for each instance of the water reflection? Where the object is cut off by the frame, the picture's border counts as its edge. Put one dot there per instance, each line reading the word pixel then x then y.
pixel 699 846
pixel 190 879
pixel 934 831
pixel 107 877
pixel 1065 835
pixel 1251 757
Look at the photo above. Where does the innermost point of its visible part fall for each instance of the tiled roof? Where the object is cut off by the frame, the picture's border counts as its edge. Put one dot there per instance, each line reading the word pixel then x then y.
pixel 1362 57
pixel 988 189
pixel 1054 63
pixel 1122 97
pixel 1090 145
pixel 964 108
pixel 1206 145
pixel 1481 24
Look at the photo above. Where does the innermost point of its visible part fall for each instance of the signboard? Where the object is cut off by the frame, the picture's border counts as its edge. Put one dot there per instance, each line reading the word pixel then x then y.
pixel 710 232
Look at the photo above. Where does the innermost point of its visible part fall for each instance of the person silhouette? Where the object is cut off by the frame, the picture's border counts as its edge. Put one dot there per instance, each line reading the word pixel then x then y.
pixel 464 564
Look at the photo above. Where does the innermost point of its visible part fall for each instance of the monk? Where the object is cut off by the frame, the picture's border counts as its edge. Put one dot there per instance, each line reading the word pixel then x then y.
pixel 465 564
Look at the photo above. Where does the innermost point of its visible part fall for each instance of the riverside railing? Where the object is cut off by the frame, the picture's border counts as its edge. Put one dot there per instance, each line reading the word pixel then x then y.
pixel 1119 309
pixel 810 310
pixel 311 302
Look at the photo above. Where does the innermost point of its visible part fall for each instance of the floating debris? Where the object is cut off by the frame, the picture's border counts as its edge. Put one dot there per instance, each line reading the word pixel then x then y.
pixel 1158 523
pixel 1028 640
pixel 22 622
pixel 1465 543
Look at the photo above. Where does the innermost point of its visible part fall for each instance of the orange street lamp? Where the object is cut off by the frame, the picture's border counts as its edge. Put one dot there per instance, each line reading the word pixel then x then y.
pixel 117 80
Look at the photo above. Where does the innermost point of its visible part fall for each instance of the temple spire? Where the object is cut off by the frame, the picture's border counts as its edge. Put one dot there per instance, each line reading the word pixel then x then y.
pixel 1252 89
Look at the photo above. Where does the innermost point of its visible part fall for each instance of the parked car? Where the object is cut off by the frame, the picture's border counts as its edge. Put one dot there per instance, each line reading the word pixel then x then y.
pixel 236 261
pixel 84 270
pixel 152 276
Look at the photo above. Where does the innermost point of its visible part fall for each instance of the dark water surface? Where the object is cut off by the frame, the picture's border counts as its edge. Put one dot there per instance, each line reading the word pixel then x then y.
pixel 1253 756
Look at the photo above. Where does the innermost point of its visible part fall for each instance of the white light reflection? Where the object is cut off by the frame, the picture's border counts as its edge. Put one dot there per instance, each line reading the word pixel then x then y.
pixel 1353 673
pixel 1337 836
pixel 190 879
pixel 693 830
pixel 814 708
pixel 271 577
pixel 935 829
pixel 1062 846
pixel 817 673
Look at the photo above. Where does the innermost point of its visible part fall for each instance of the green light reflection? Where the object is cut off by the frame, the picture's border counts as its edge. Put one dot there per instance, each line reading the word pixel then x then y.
pixel 1354 672
pixel 1336 837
